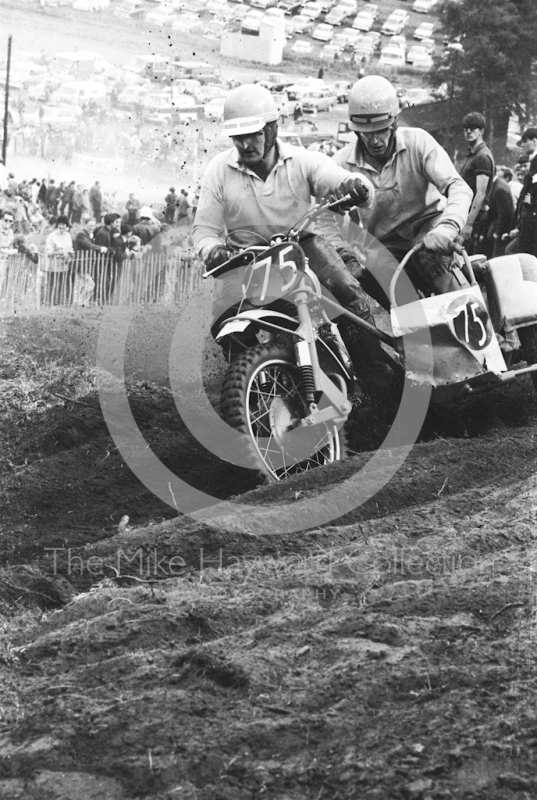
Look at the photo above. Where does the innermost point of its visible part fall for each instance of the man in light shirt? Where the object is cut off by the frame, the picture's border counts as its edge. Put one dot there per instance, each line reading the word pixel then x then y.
pixel 420 199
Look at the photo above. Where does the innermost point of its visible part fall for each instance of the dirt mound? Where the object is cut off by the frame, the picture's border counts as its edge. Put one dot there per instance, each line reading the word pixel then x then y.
pixel 387 653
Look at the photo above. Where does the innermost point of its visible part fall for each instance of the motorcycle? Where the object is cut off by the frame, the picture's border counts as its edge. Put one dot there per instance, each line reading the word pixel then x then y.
pixel 290 377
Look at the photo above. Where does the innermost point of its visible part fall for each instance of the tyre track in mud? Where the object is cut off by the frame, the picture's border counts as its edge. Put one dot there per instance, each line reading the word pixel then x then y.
pixel 392 659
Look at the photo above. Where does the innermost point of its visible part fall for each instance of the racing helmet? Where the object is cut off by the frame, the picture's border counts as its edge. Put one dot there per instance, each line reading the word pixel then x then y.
pixel 373 104
pixel 247 109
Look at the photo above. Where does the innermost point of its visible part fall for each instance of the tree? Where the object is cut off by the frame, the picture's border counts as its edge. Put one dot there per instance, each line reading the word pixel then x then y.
pixel 494 73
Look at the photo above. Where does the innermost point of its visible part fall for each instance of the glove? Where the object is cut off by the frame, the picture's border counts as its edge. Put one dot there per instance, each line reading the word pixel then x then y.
pixel 356 188
pixel 218 255
pixel 441 239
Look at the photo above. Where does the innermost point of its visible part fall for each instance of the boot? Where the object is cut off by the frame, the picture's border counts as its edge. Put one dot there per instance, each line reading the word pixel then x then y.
pixel 370 362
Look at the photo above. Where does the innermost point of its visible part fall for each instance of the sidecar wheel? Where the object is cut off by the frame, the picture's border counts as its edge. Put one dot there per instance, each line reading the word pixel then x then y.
pixel 528 340
pixel 261 398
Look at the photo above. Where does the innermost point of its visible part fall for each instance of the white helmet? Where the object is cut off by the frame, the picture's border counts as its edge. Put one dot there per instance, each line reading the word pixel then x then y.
pixel 247 109
pixel 373 104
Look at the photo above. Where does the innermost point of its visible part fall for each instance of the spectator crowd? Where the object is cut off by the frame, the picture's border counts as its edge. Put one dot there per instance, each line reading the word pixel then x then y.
pixel 80 240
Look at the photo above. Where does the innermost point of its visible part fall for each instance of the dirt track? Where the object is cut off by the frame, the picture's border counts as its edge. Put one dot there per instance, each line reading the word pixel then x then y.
pixel 388 654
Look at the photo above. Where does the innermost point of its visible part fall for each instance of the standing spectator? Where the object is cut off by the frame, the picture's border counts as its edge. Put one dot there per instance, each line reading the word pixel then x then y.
pixel 42 194
pixel 67 201
pixel 171 203
pixel 514 184
pixel 6 232
pixel 58 263
pixel 77 204
pixel 132 207
pixel 499 218
pixel 182 208
pixel 148 227
pixel 96 201
pixel 105 237
pixel 527 204
pixel 60 206
pixel 478 171
pixel 51 199
pixel 85 239
pixel 86 204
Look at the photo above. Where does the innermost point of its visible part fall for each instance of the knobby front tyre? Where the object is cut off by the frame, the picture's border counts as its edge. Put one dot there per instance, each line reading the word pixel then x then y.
pixel 261 398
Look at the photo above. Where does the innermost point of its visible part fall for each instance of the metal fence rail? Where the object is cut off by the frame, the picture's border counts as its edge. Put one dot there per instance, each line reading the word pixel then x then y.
pixel 88 279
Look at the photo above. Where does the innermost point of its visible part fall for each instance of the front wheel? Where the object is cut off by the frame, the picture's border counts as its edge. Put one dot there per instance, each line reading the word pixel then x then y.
pixel 261 398
pixel 528 341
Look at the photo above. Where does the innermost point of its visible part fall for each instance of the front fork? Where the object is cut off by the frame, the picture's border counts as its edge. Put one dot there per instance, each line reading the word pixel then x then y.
pixel 313 380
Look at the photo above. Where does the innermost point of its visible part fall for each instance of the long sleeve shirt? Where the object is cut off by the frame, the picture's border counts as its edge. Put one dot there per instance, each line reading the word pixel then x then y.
pixel 234 198
pixel 418 184
pixel 58 248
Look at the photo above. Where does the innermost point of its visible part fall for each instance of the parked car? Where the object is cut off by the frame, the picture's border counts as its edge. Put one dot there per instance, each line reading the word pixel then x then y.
pixel 373 37
pixel 291 7
pixel 336 15
pixel 187 23
pixel 214 109
pixel 342 90
pixel 298 89
pixel 416 96
pixel 363 21
pixel 161 15
pixel 399 40
pixel 312 10
pixel 302 47
pixel 340 40
pixel 61 117
pixel 319 100
pixel 302 24
pixel 130 9
pixel 353 36
pixel 429 45
pixel 393 26
pixel 252 21
pixel 79 93
pixel 424 61
pixel 423 6
pixel 400 13
pixel 392 57
pixel 323 32
pixel 424 30
pixel 213 29
pixel 275 13
pixel 414 51
pixel 131 96
pixel 330 52
pixel 350 5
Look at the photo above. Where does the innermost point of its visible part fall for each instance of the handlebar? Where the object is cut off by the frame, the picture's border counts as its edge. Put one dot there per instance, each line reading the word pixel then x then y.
pixel 457 248
pixel 293 233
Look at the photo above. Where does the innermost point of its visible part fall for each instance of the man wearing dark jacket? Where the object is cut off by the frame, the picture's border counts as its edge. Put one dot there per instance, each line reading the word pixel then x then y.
pixel 105 237
pixel 527 202
pixel 85 239
pixel 96 200
pixel 499 218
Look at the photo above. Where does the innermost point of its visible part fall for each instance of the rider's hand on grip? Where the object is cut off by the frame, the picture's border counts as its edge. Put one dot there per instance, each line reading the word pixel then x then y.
pixel 218 255
pixel 443 239
pixel 356 189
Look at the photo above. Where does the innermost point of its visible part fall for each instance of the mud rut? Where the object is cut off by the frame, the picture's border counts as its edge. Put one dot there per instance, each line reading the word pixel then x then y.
pixel 388 654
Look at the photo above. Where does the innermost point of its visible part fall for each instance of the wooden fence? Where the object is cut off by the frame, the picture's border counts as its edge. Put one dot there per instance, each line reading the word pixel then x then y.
pixel 92 280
